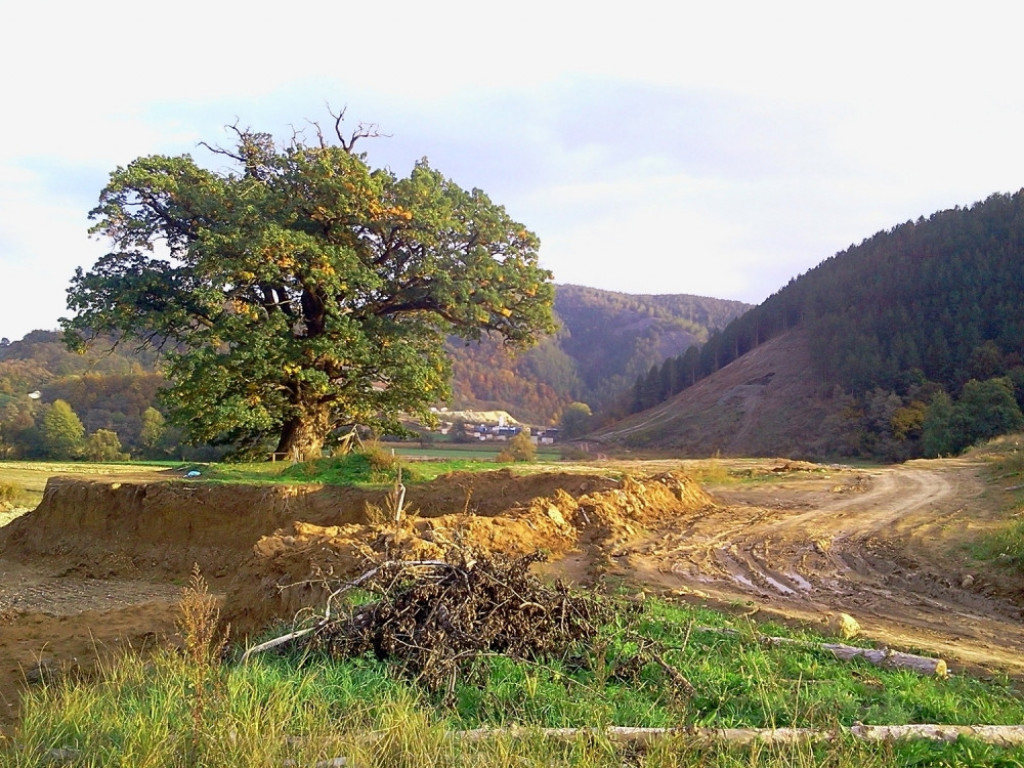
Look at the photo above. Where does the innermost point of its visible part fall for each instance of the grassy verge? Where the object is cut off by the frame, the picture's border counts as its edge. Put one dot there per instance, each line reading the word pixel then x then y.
pixel 188 709
pixel 1003 545
pixel 375 465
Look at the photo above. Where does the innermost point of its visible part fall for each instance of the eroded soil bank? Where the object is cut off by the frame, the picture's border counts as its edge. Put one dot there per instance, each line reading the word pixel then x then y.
pixel 100 564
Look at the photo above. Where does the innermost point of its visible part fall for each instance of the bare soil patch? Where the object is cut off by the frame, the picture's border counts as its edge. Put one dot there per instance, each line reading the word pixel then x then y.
pixel 884 546
pixel 100 563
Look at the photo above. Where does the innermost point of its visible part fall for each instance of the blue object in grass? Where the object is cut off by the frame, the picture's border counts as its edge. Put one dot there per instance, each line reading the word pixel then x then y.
pixel 193 473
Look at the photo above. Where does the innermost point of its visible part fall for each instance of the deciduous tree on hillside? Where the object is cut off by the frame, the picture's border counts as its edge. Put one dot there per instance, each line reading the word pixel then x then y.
pixel 62 432
pixel 103 445
pixel 575 420
pixel 303 290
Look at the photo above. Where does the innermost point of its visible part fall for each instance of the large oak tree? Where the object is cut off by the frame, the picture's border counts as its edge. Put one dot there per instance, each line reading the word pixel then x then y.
pixel 300 289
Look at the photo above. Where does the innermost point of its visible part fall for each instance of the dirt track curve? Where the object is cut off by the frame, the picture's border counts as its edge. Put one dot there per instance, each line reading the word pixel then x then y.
pixel 881 545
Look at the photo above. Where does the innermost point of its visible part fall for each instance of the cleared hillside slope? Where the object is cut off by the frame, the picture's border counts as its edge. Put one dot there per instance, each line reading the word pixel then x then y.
pixel 770 402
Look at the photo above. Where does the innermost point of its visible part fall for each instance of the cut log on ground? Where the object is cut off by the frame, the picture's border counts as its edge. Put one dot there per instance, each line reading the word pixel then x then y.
pixel 880 657
pixel 997 735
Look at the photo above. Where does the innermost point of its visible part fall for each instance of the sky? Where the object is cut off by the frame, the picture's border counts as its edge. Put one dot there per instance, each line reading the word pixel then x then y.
pixel 717 149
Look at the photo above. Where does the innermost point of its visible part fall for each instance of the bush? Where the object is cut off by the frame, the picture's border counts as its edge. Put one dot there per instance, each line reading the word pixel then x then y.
pixel 104 445
pixel 382 461
pixel 520 448
pixel 10 492
pixel 370 464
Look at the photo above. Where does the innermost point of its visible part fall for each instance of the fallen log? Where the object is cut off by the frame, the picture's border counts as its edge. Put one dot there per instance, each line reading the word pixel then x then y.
pixel 997 735
pixel 886 657
pixel 623 736
pixel 880 657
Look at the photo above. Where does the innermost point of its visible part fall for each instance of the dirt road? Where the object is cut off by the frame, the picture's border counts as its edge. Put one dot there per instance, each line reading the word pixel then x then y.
pixel 884 546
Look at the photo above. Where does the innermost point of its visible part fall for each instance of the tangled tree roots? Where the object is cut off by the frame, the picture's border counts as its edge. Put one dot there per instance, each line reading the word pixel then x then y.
pixel 436 618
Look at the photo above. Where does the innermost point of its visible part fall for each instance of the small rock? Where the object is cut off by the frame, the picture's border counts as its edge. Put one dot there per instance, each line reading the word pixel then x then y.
pixel 843 624
pixel 967 581
pixel 556 516
pixel 61 755
pixel 43 671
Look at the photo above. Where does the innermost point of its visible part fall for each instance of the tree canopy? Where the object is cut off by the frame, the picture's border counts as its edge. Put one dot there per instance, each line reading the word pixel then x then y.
pixel 63 433
pixel 301 289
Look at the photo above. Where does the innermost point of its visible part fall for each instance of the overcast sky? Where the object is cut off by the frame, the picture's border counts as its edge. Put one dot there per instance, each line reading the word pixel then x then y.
pixel 716 149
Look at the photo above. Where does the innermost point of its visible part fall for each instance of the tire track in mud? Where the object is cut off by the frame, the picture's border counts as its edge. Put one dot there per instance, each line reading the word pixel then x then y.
pixel 870 553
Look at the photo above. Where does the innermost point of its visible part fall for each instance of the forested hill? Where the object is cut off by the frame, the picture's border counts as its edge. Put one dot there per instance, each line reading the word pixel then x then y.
pixel 107 389
pixel 606 339
pixel 901 323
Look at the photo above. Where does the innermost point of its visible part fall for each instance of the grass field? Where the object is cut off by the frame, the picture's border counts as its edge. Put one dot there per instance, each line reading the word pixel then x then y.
pixel 188 709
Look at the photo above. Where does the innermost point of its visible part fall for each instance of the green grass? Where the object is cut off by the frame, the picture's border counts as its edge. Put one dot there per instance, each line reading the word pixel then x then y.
pixel 279 708
pixel 371 467
pixel 352 469
pixel 1006 545
pixel 1003 545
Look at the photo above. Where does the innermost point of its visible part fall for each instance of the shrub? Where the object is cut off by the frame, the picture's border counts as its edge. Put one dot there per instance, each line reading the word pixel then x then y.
pixel 104 445
pixel 10 492
pixel 520 448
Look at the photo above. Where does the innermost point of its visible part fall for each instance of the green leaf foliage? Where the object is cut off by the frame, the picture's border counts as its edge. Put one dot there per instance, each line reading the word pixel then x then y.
pixel 575 421
pixel 519 448
pixel 303 289
pixel 103 445
pixel 62 432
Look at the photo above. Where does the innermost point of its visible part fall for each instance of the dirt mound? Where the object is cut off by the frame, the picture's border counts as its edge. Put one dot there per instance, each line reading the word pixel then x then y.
pixel 108 529
pixel 295 568
pixel 273 549
pixel 93 569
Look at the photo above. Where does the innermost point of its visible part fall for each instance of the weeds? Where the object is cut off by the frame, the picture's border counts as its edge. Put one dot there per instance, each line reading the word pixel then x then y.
pixel 1005 544
pixel 203 645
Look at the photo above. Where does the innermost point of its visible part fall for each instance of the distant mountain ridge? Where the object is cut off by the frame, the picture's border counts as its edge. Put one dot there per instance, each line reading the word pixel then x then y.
pixel 605 340
pixel 915 340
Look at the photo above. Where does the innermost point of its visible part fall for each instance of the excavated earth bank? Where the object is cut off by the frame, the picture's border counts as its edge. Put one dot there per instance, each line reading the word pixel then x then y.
pixel 99 564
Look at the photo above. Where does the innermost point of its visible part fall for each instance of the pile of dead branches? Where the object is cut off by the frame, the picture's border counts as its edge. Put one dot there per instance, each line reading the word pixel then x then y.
pixel 436 618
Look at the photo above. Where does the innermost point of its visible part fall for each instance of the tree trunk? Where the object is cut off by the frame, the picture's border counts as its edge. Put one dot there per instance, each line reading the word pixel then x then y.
pixel 303 436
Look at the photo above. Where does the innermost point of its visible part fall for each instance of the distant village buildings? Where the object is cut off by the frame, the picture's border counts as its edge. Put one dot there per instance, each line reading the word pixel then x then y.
pixel 488 426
